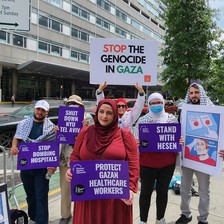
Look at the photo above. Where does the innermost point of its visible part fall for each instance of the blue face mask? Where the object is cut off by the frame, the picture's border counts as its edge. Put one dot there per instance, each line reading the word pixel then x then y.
pixel 156 109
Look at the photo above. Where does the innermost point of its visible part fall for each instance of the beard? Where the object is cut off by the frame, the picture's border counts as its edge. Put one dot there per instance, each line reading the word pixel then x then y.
pixel 39 118
pixel 195 101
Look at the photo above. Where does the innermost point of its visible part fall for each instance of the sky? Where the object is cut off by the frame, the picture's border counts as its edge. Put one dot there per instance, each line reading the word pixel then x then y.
pixel 218 4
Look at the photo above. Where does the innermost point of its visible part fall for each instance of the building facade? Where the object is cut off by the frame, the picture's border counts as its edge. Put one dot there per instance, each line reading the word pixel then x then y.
pixel 52 59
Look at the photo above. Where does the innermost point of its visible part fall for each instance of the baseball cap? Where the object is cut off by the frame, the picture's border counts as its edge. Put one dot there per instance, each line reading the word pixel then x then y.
pixel 75 98
pixel 42 104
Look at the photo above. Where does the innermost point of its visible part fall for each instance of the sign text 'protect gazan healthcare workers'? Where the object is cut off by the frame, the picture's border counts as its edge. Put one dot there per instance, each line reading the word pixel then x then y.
pixel 99 179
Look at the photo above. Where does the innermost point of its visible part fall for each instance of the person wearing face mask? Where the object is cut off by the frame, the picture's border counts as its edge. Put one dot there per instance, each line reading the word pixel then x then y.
pixel 155 166
pixel 126 118
pixel 66 150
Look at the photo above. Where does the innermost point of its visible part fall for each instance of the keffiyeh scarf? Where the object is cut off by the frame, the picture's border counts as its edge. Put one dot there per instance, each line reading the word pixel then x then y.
pixel 25 126
pixel 204 99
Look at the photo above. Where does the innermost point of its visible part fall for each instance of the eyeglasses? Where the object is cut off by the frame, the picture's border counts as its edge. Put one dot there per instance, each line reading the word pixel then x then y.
pixel 156 103
pixel 121 106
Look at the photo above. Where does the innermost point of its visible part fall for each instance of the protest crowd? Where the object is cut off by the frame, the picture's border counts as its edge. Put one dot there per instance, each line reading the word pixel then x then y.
pixel 114 153
pixel 105 159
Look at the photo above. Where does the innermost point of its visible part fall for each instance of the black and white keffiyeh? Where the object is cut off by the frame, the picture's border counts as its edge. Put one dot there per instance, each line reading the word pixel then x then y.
pixel 25 126
pixel 204 99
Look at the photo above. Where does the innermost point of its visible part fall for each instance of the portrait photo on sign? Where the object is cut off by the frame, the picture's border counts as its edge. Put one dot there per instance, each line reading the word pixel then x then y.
pixel 201 150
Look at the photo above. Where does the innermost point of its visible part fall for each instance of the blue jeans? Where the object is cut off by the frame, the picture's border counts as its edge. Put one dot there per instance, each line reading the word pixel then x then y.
pixel 36 187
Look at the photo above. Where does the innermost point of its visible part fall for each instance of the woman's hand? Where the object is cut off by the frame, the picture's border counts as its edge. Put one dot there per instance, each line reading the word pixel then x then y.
pixel 137 141
pixel 68 175
pixel 130 200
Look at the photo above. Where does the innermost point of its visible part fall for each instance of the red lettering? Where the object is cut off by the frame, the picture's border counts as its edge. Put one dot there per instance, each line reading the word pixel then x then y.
pixel 114 48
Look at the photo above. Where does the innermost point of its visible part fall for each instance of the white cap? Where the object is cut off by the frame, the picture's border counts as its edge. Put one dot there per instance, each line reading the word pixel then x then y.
pixel 42 104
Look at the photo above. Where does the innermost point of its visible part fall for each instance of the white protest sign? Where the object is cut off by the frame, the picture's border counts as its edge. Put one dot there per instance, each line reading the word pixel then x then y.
pixel 123 62
pixel 202 127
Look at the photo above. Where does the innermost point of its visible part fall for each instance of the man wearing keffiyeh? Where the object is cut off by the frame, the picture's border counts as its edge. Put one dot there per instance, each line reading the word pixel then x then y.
pixel 35 129
pixel 195 95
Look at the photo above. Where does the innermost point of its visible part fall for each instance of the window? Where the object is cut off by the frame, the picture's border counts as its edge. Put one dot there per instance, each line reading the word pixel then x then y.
pixel 75 55
pixel 43 46
pixel 106 25
pixel 75 9
pixel 56 50
pixel 55 25
pixel 2 36
pixel 75 33
pixel 56 2
pixel 19 41
pixel 104 5
pixel 135 24
pixel 121 15
pixel 84 57
pixel 107 7
pixel 99 21
pixel 43 21
pixel 84 36
pixel 84 14
pixel 120 32
pixel 102 23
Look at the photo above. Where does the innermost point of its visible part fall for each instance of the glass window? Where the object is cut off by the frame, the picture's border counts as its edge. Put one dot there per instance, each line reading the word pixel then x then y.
pixel 107 6
pixel 2 36
pixel 55 50
pixel 84 15
pixel 18 40
pixel 100 3
pixel 43 21
pixel 84 57
pixel 75 33
pixel 99 21
pixel 84 36
pixel 57 2
pixel 106 25
pixel 75 55
pixel 135 24
pixel 56 25
pixel 120 32
pixel 75 9
pixel 43 46
pixel 121 15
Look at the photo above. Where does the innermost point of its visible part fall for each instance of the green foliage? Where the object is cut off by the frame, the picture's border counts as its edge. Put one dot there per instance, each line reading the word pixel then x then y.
pixel 188 48
pixel 215 83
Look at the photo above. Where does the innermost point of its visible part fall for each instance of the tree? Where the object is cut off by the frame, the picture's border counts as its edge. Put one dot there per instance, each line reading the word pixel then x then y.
pixel 214 84
pixel 188 49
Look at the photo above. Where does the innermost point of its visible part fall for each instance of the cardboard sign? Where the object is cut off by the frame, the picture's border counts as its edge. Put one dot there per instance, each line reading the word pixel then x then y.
pixel 38 155
pixel 69 123
pixel 123 62
pixel 159 137
pixel 94 179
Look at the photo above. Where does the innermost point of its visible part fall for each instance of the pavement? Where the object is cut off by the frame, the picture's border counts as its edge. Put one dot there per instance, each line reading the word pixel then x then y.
pixel 216 215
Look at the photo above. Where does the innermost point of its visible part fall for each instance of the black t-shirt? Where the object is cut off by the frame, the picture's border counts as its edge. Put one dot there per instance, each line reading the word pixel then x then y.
pixel 37 130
